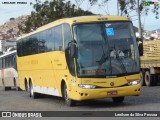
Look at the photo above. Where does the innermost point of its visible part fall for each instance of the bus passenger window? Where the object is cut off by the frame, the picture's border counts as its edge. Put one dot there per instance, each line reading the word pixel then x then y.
pixel 58 38
pixel 67 35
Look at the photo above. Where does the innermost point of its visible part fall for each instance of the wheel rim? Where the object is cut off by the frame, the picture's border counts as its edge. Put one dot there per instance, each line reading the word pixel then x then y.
pixel 31 90
pixel 66 94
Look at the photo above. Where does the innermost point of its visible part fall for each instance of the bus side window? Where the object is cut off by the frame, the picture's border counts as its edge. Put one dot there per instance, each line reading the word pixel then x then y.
pixel 49 46
pixel 67 35
pixel 14 61
pixel 6 62
pixel 42 42
pixel 9 61
pixel 58 38
pixel 19 48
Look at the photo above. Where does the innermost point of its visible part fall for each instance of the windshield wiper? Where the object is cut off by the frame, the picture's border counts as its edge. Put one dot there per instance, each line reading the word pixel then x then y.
pixel 120 61
pixel 103 58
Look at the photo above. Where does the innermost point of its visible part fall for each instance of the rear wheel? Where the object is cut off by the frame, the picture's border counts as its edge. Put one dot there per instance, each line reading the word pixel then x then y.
pixel 32 94
pixel 150 80
pixel 26 86
pixel 68 101
pixel 118 99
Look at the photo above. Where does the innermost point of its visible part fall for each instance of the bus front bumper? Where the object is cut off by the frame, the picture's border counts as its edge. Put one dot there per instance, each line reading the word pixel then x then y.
pixel 87 94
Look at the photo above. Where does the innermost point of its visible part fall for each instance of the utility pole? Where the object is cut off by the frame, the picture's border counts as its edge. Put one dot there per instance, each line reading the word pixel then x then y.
pixel 139 20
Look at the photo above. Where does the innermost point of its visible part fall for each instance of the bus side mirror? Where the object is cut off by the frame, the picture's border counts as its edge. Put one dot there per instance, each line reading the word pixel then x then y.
pixel 73 49
pixel 140 47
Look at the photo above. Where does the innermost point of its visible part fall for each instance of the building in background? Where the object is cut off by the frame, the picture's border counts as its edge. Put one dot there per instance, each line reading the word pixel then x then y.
pixel 7 45
pixel 156 34
pixel 2 42
pixel 9 32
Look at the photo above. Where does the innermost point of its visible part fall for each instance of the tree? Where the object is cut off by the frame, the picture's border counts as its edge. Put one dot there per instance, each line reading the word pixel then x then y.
pixel 135 28
pixel 49 11
pixel 127 6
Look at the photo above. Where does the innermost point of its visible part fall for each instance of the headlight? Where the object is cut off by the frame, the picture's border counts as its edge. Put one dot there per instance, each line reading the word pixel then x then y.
pixel 134 82
pixel 84 86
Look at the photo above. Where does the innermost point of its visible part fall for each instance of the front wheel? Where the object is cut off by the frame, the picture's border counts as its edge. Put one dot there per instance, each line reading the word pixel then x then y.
pixel 118 99
pixel 68 101
pixel 142 78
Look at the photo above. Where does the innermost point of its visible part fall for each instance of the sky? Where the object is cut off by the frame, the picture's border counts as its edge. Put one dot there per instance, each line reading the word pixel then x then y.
pixel 8 11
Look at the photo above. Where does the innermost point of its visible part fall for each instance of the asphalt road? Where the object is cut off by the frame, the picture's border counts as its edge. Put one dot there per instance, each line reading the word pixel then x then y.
pixel 13 100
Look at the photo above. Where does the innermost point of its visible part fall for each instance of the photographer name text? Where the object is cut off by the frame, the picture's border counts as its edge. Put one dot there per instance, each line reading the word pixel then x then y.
pixel 135 115
pixel 14 3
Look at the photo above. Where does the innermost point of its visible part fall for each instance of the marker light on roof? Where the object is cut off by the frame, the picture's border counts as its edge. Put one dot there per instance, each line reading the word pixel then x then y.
pixel 102 19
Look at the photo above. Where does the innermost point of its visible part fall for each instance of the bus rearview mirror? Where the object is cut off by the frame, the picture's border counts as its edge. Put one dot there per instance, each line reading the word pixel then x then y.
pixel 140 47
pixel 73 50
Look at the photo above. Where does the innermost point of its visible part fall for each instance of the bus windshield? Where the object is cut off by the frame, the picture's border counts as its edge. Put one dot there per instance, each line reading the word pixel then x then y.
pixel 106 49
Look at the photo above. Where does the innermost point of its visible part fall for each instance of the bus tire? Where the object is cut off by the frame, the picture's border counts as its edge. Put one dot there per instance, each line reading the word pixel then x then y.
pixel 7 88
pixel 150 80
pixel 68 101
pixel 16 86
pixel 118 99
pixel 32 94
pixel 26 86
pixel 142 78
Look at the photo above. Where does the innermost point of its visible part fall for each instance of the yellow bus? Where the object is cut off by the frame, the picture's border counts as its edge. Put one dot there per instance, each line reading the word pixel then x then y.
pixel 71 58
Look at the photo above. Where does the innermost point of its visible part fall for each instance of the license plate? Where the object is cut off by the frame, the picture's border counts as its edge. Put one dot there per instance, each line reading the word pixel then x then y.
pixel 112 93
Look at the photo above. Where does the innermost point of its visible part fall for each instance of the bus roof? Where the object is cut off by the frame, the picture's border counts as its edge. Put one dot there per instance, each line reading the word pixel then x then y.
pixel 80 19
pixel 7 53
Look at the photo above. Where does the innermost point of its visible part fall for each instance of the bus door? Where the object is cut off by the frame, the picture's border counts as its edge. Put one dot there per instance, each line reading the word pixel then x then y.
pixel 48 75
pixel 59 67
pixel 59 62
